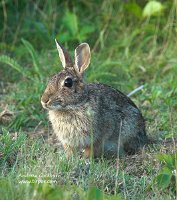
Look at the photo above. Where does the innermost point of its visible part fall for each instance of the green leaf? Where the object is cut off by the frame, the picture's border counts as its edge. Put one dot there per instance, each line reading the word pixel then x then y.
pixel 134 9
pixel 167 159
pixel 94 193
pixel 33 54
pixel 64 37
pixel 163 180
pixel 85 30
pixel 70 22
pixel 10 61
pixel 166 170
pixel 153 8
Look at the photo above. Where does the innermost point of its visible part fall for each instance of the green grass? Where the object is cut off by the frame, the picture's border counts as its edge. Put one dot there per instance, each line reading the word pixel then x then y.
pixel 127 51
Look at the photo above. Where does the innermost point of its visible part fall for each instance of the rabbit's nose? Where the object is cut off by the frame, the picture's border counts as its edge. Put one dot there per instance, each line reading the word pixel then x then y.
pixel 44 99
pixel 43 104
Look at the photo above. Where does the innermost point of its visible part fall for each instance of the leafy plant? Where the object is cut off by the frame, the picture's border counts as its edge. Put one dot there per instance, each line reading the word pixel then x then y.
pixel 167 177
pixel 134 9
pixel 34 56
pixel 153 8
pixel 73 29
pixel 13 63
pixel 25 72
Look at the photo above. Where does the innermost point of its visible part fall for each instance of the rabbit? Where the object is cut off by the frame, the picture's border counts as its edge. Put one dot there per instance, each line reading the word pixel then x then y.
pixel 93 118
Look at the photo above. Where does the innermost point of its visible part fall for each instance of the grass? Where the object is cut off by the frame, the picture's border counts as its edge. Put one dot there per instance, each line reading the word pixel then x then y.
pixel 127 51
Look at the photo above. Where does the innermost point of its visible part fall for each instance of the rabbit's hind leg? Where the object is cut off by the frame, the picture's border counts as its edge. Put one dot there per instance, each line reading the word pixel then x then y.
pixel 113 149
pixel 134 144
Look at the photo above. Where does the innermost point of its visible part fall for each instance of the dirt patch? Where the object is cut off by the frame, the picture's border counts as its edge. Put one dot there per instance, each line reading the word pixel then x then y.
pixel 46 134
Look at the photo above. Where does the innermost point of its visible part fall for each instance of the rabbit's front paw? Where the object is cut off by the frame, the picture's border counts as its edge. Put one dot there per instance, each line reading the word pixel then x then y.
pixel 68 151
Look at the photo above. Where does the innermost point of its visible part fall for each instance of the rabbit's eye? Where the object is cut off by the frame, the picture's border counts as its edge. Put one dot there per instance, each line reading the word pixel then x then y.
pixel 68 82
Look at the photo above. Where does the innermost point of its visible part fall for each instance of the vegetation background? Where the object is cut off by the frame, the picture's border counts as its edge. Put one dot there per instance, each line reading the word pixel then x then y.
pixel 133 43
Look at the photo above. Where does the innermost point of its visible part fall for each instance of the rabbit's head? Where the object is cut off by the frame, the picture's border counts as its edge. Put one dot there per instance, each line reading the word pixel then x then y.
pixel 67 89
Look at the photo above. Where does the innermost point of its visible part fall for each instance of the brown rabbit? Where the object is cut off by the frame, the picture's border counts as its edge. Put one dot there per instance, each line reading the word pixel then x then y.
pixel 94 118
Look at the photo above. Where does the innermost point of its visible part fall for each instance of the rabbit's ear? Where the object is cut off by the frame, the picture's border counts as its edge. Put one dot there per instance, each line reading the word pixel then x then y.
pixel 64 55
pixel 82 57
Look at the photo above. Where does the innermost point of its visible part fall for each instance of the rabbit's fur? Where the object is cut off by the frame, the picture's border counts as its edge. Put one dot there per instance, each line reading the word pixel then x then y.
pixel 93 118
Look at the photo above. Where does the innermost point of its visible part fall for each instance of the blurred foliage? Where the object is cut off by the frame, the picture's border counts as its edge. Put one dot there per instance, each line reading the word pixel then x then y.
pixel 71 21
